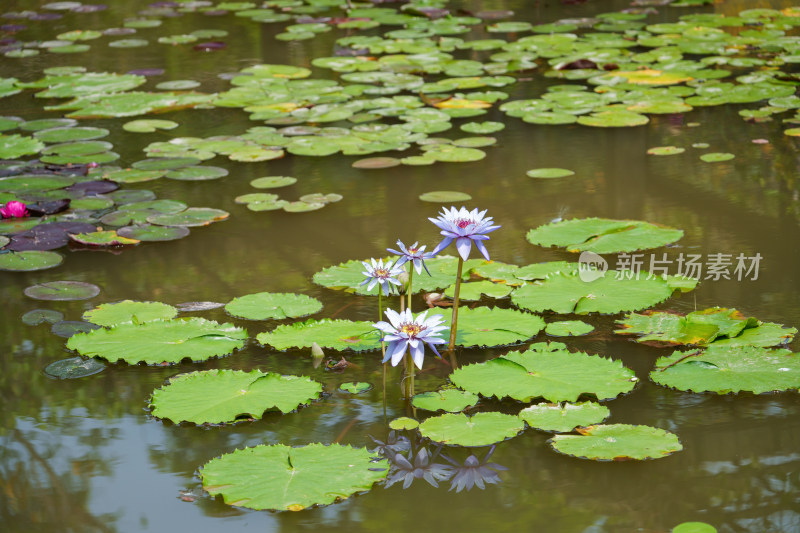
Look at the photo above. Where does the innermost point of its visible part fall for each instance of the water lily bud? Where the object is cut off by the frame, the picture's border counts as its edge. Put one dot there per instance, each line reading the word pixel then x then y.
pixel 316 351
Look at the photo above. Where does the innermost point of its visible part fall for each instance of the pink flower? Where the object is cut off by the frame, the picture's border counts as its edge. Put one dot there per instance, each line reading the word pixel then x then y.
pixel 13 210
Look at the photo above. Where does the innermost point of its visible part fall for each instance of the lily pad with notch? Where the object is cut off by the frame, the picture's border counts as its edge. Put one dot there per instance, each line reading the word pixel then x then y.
pixel 565 417
pixel 602 235
pixel 481 429
pixel 62 291
pixel 191 217
pixel 445 196
pixel 355 387
pixel 276 306
pixel 68 328
pixel 568 328
pixel 111 314
pixel 332 334
pixel 150 233
pixel 617 442
pixel 449 400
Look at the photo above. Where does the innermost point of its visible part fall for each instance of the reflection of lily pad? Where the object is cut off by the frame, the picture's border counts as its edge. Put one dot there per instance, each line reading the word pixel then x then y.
pixel 223 396
pixel 563 418
pixel 111 314
pixel 617 442
pixel 602 235
pixel 280 477
pixel 267 305
pixel 481 429
pixel 333 334
pixel 724 370
pixel 549 371
pixel 160 341
pixel 450 400
pixel 62 290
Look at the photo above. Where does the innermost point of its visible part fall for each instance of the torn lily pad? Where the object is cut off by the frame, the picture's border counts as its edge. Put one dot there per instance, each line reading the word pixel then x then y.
pixel 332 334
pixel 563 418
pixel 111 314
pixel 160 341
pixel 603 236
pixel 729 369
pixel 549 371
pixel 277 306
pixel 224 396
pixel 481 429
pixel 617 442
pixel 286 478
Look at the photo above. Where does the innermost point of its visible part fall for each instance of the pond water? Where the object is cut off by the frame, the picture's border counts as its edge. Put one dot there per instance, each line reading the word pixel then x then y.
pixel 85 455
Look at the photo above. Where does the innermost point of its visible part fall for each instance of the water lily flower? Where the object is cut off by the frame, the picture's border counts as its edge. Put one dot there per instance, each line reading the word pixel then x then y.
pixel 415 254
pixel 465 227
pixel 14 209
pixel 378 273
pixel 403 331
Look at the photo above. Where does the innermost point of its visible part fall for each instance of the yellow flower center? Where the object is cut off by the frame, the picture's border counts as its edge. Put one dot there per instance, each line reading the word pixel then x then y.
pixel 412 329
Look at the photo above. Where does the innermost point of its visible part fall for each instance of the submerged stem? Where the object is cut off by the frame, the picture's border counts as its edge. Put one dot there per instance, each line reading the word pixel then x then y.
pixel 410 279
pixel 454 324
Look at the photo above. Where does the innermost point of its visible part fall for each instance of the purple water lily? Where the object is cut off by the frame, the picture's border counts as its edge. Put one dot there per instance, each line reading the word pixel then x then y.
pixel 403 331
pixel 13 209
pixel 465 227
pixel 415 254
pixel 379 273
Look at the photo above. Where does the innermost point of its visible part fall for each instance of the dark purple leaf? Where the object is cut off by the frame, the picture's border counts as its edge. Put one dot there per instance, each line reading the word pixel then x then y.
pixel 13 27
pixel 48 207
pixel 45 16
pixel 48 236
pixel 210 46
pixel 90 188
pixel 147 71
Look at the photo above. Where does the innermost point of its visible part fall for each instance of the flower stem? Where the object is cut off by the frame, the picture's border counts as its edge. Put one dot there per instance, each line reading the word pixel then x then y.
pixel 383 346
pixel 453 325
pixel 410 279
pixel 409 376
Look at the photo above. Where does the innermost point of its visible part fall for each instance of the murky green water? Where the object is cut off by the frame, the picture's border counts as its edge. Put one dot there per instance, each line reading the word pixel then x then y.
pixel 84 455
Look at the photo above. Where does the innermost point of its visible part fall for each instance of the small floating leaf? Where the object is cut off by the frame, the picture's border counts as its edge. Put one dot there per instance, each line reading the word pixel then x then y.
pixel 74 368
pixel 112 314
pixel 62 290
pixel 355 387
pixel 376 162
pixel 197 173
pixel 716 157
pixel 68 328
pixel 445 196
pixel 450 400
pixel 149 125
pixel 568 328
pixel 550 173
pixel 617 442
pixel 403 423
pixel 665 150
pixel 482 429
pixel 280 477
pixel 277 306
pixel 563 418
pixel 694 527
pixel 38 316
pixel 222 396
pixel 273 182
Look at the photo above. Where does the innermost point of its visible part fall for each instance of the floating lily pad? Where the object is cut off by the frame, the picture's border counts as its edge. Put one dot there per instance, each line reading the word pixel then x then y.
pixel 568 328
pixel 29 260
pixel 102 238
pixel 721 326
pixel 403 423
pixel 62 290
pixel 485 326
pixel 223 396
pixel 694 527
pixel 617 442
pixel 280 477
pixel 197 173
pixel 112 314
pixel 549 371
pixel 39 316
pixel 302 207
pixel 473 290
pixel 729 369
pixel 165 163
pixel 445 197
pixel 355 387
pixel 148 233
pixel 481 429
pixel 277 306
pixel 665 150
pixel 450 400
pixel 16 146
pixel 549 173
pixel 68 328
pixel 69 134
pixel 74 368
pixel 613 119
pixel 376 162
pixel 716 157
pixel 149 125
pixel 160 341
pixel 602 235
pixel 613 292
pixel 187 307
pixel 332 334
pixel 563 418
pixel 482 127
pixel 273 182
pixel 191 217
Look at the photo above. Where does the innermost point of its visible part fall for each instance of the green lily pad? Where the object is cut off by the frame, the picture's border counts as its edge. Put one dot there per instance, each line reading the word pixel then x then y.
pixel 277 306
pixel 302 207
pixel 482 127
pixel 549 173
pixel 177 85
pixel 197 173
pixel 128 43
pixel 39 316
pixel 716 157
pixel 62 291
pixel 485 326
pixel 613 119
pixel 694 527
pixel 191 217
pixel 665 150
pixel 376 162
pixel 355 387
pixel 102 238
pixel 613 292
pixel 160 341
pixel 74 368
pixel 165 163
pixel 568 328
pixel 16 146
pixel 602 235
pixel 148 233
pixel 70 134
pixel 92 203
pixel 481 429
pixel 68 328
pixel 700 328
pixel 449 400
pixel 473 290
pixel 130 175
pixel 729 369
pixel 331 334
pixel 149 125
pixel 34 183
pixel 30 260
pixel 223 396
pixel 128 104
pixel 403 423
pixel 273 182
pixel 47 123
pixel 617 442
pixel 112 314
pixel 445 197
pixel 563 418
pixel 280 477
pixel 549 371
